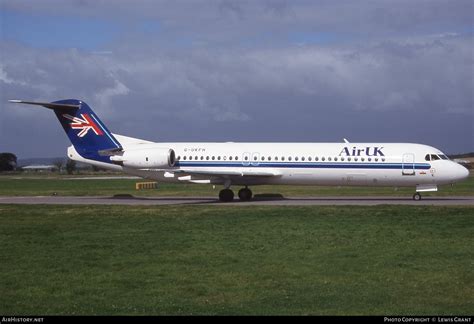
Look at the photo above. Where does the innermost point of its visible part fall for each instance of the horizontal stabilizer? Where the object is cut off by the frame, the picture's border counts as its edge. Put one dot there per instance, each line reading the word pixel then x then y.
pixel 110 152
pixel 49 105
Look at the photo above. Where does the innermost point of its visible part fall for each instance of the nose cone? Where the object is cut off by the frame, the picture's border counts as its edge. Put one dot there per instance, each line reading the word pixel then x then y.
pixel 461 172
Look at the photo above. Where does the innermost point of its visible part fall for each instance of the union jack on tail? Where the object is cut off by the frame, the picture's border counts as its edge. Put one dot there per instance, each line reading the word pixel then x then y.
pixel 85 124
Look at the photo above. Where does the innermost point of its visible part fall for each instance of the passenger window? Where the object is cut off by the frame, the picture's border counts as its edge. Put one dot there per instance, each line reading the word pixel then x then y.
pixel 269 158
pixel 207 157
pixel 342 159
pixel 296 158
pixel 213 158
pixel 283 158
pixel 369 159
pixel 219 158
pixel 178 158
pixel 356 159
pixel 184 158
pixel 263 158
pixel 289 158
pixel 329 159
pixel 246 158
pixel 323 159
pixel 316 159
pixel 362 159
pixel 202 157
pixel 236 158
pixel 309 159
pixel 383 159
pixel 276 158
pixel 230 158
pixel 348 159
pixel 335 159
pixel 302 159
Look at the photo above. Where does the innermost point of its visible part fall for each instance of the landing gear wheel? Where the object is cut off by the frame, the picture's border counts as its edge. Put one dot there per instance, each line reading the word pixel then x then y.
pixel 417 196
pixel 245 194
pixel 226 195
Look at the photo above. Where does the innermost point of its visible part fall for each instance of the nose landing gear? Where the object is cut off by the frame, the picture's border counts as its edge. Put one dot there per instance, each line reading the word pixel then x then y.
pixel 417 196
pixel 424 188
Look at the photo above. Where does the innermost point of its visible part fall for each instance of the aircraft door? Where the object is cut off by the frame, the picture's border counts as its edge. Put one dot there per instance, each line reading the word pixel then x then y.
pixel 408 164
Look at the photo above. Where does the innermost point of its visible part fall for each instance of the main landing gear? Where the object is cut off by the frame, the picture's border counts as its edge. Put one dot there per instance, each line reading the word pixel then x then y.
pixel 227 195
pixel 245 194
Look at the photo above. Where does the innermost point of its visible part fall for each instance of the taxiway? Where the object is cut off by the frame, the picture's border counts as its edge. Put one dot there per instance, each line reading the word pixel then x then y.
pixel 271 201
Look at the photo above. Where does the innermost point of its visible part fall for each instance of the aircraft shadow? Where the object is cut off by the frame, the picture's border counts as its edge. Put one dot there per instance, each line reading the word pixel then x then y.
pixel 278 197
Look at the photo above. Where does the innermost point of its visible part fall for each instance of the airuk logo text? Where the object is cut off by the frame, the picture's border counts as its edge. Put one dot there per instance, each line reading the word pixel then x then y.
pixel 358 151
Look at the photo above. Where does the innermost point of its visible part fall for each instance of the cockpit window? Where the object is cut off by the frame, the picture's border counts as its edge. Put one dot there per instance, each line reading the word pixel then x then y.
pixel 434 157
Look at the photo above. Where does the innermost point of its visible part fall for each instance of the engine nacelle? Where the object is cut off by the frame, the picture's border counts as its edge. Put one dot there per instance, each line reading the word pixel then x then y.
pixel 146 158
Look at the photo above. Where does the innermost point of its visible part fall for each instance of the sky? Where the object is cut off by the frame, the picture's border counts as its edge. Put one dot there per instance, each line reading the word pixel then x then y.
pixel 237 70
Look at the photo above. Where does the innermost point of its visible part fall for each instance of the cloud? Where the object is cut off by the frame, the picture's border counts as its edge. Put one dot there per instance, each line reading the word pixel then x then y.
pixel 6 79
pixel 231 23
pixel 209 84
pixel 104 96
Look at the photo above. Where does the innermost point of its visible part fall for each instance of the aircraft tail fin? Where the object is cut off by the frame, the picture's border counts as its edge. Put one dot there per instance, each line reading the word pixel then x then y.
pixel 89 136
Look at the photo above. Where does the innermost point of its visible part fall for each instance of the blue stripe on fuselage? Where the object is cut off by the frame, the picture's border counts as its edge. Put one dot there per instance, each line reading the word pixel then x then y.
pixel 302 165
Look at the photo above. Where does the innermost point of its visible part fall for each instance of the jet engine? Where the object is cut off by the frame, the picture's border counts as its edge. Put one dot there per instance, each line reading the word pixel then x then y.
pixel 146 158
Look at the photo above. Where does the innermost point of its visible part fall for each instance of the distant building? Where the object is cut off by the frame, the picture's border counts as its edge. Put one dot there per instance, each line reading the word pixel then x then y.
pixel 467 162
pixel 40 168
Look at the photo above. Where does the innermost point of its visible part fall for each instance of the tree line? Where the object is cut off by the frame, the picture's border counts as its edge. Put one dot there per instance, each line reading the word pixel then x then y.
pixel 9 162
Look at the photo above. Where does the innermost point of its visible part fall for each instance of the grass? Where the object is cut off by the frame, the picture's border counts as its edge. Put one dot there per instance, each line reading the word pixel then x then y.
pixel 67 186
pixel 173 260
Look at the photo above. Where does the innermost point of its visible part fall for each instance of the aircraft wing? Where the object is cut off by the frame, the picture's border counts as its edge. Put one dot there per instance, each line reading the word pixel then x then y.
pixel 220 173
pixel 227 173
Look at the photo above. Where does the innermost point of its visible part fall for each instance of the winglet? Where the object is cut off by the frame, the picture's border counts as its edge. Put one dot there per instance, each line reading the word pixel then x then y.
pixel 49 105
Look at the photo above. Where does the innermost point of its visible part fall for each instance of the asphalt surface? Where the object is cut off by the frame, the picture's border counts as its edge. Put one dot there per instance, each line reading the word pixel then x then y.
pixel 271 201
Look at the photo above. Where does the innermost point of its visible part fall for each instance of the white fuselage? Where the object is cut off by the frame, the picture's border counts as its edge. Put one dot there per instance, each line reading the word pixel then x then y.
pixel 333 164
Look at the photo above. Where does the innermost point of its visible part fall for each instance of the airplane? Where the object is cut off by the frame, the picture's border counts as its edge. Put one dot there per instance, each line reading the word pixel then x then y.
pixel 251 164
